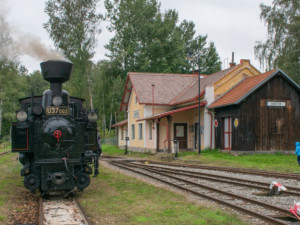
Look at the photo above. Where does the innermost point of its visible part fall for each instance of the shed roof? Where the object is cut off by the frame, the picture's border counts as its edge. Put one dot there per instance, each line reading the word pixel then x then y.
pixel 120 124
pixel 171 112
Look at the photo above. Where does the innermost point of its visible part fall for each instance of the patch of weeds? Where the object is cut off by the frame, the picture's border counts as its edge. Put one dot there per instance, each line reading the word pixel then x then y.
pixel 2 217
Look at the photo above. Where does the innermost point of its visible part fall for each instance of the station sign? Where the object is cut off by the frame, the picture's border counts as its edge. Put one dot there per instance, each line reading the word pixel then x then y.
pixel 275 104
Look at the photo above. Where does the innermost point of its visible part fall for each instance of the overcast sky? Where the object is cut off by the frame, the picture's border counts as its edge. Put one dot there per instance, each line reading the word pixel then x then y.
pixel 233 25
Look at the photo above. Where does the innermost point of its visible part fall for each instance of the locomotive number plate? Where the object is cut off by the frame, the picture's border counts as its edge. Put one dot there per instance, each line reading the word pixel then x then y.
pixel 61 110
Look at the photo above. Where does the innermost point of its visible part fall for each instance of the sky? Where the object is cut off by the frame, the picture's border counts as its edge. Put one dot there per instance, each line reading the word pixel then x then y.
pixel 233 26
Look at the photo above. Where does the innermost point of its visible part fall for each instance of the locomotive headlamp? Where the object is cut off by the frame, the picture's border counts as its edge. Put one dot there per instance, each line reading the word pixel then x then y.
pixel 57 101
pixel 21 115
pixel 92 116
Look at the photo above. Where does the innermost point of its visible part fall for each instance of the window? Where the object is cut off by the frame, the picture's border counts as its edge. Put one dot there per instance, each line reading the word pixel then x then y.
pixel 150 130
pixel 136 100
pixel 140 131
pixel 132 131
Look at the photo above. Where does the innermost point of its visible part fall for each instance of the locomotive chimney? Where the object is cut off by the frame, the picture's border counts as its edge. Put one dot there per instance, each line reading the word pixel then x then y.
pixel 56 72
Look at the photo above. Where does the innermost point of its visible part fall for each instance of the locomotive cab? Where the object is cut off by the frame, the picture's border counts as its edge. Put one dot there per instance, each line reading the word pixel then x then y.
pixel 55 136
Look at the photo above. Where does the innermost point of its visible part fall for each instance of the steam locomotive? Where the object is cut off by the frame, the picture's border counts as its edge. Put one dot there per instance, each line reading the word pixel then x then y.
pixel 55 136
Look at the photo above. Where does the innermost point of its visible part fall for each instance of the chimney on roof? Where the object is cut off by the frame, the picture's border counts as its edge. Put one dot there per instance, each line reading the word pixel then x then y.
pixel 232 64
pixel 244 61
pixel 195 71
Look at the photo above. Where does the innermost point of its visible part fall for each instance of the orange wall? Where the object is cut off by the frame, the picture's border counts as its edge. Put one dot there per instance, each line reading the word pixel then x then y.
pixel 234 77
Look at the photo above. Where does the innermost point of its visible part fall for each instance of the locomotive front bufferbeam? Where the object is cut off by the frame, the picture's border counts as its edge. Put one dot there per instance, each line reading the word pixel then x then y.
pixel 55 136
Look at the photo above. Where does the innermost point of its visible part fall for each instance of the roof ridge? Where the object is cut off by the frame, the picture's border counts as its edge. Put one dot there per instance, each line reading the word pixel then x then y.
pixel 161 74
pixel 230 69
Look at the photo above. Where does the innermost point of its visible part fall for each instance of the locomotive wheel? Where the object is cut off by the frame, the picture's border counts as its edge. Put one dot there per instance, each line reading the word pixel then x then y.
pixel 83 181
pixel 32 182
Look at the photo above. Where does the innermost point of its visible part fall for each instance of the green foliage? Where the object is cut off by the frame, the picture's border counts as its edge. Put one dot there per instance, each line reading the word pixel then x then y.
pixel 12 87
pixel 282 48
pixel 36 84
pixel 73 25
pixel 147 40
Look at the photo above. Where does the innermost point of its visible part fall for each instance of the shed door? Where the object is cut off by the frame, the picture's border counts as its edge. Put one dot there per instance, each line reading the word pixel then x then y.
pixel 227 133
pixel 180 134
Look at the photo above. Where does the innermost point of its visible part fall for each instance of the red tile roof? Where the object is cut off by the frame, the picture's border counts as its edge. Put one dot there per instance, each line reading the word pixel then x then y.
pixel 164 114
pixel 192 92
pixel 166 86
pixel 169 89
pixel 240 90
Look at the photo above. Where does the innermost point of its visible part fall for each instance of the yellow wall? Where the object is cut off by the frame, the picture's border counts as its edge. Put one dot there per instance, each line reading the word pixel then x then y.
pixel 123 130
pixel 135 107
pixel 234 77
pixel 150 143
pixel 190 117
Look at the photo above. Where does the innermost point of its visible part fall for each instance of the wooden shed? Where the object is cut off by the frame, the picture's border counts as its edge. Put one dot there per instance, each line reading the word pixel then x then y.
pixel 259 113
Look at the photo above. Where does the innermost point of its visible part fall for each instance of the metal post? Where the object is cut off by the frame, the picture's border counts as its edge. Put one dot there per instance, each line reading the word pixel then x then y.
pixel 199 110
pixel 126 139
pixel 176 149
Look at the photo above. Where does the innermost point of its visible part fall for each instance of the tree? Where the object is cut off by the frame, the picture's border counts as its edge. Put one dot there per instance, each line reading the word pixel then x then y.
pixel 282 48
pixel 10 80
pixel 147 40
pixel 36 84
pixel 204 56
pixel 7 51
pixel 73 25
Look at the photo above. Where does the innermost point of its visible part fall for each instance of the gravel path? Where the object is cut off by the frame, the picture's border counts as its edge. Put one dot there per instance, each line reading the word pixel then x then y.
pixel 62 212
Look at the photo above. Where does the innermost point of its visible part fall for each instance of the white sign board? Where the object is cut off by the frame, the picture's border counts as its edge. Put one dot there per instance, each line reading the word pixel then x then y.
pixel 275 104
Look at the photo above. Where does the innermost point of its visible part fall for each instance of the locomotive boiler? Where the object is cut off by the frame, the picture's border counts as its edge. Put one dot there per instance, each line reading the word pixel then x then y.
pixel 55 136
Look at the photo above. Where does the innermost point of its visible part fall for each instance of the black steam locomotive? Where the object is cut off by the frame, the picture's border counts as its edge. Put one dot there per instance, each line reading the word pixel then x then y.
pixel 55 136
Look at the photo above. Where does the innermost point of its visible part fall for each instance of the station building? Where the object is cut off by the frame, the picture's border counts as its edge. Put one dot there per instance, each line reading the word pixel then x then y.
pixel 235 104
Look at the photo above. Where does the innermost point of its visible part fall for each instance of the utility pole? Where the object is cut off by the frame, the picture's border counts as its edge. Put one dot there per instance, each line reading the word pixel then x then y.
pixel 199 112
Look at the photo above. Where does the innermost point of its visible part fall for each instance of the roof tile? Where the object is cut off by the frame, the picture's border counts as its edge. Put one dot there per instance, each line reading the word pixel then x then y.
pixel 240 90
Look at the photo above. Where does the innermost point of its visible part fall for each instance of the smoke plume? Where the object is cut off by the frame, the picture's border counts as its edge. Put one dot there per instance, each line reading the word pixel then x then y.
pixel 13 42
pixel 32 46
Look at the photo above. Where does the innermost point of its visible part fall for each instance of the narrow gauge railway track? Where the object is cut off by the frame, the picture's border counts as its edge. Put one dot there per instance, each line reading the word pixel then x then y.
pixel 62 212
pixel 234 201
pixel 235 170
pixel 225 179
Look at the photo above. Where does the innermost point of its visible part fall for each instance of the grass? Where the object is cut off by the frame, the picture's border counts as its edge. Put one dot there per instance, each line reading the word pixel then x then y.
pixel 5 147
pixel 115 151
pixel 113 198
pixel 271 162
pixel 10 184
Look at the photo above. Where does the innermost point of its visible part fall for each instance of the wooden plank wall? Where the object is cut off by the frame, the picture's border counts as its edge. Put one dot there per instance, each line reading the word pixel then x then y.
pixel 262 127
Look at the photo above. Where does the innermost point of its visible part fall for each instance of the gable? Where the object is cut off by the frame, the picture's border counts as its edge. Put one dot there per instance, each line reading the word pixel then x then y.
pixel 248 86
pixel 233 77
